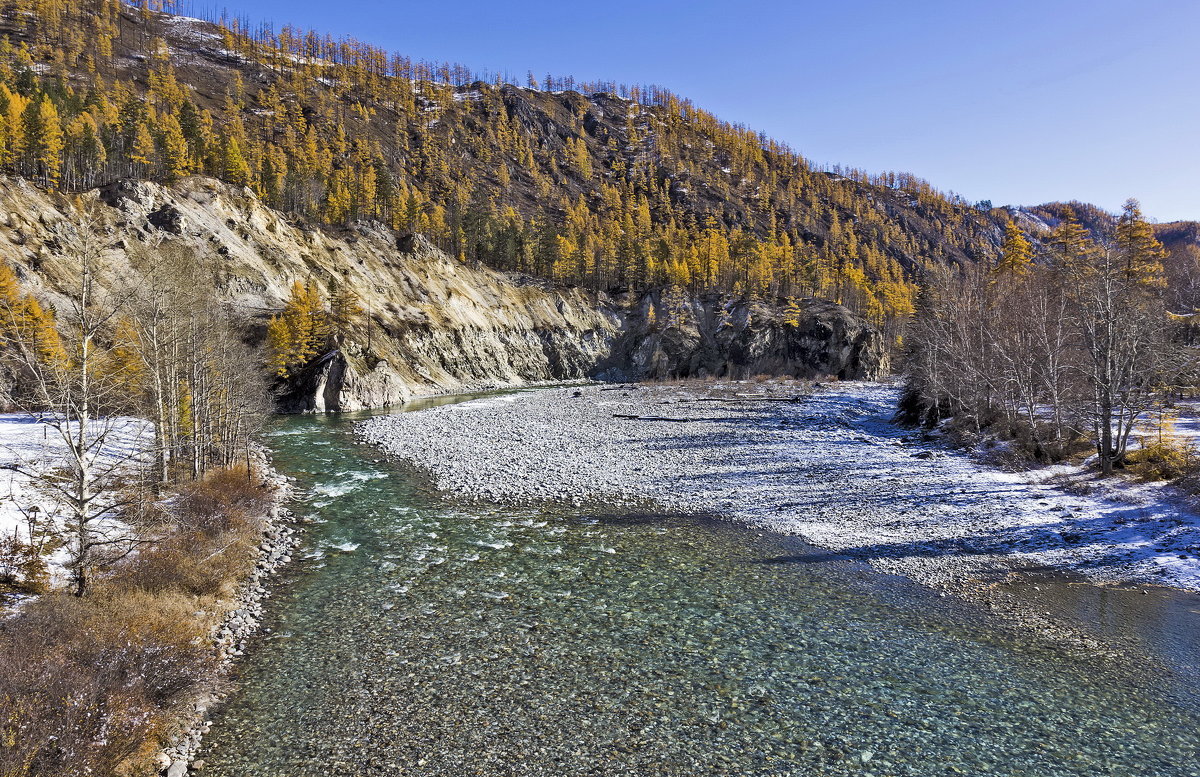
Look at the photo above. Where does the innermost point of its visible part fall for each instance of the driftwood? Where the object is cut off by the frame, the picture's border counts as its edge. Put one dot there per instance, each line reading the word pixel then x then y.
pixel 741 398
pixel 630 417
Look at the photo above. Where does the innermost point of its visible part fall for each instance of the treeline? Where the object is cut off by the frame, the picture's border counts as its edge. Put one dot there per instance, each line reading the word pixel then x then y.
pixel 603 191
pixel 1067 347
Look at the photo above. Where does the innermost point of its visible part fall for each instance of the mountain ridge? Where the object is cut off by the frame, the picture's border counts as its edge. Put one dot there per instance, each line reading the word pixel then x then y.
pixel 603 191
pixel 427 323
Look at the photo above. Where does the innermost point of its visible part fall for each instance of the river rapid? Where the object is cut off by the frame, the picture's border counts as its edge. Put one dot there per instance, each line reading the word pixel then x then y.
pixel 420 635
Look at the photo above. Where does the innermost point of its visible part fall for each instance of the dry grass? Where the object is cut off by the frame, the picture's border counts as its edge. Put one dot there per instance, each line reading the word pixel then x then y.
pixel 1165 459
pixel 91 685
pixel 212 545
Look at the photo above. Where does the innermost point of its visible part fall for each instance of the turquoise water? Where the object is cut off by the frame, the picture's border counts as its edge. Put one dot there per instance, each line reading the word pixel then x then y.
pixel 420 637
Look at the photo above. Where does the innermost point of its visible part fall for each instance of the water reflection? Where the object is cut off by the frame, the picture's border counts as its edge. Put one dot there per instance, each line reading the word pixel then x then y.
pixel 1162 622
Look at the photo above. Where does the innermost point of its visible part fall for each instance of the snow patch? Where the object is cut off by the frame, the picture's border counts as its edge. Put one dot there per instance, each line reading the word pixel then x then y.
pixel 29 446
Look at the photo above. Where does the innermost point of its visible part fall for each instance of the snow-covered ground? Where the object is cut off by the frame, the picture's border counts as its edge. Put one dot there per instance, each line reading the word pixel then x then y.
pixel 884 496
pixel 1186 421
pixel 831 468
pixel 29 447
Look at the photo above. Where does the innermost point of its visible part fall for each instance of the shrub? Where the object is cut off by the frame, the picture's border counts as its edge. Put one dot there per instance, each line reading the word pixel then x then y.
pixel 91 685
pixel 212 545
pixel 22 568
pixel 221 502
pixel 1165 459
pixel 87 684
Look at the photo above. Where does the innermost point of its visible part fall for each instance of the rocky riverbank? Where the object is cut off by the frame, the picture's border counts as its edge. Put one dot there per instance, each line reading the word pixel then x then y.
pixel 820 462
pixel 279 538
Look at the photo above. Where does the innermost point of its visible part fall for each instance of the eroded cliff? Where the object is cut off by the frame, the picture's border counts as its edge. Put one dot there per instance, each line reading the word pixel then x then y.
pixel 432 324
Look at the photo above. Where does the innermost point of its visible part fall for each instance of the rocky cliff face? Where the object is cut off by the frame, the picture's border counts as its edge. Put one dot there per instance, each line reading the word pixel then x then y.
pixel 434 324
pixel 717 336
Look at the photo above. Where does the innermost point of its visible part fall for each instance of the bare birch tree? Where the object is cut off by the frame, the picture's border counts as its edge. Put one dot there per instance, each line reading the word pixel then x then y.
pixel 1080 343
pixel 74 393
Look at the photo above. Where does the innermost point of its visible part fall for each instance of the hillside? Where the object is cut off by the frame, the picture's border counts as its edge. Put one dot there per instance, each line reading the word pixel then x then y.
pixel 428 323
pixel 1181 239
pixel 607 187
pixel 595 185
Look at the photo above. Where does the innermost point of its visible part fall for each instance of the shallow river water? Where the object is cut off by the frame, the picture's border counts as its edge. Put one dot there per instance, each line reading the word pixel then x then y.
pixel 420 637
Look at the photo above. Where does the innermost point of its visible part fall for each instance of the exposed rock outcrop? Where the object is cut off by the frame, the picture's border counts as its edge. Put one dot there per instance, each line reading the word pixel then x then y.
pixel 669 336
pixel 432 324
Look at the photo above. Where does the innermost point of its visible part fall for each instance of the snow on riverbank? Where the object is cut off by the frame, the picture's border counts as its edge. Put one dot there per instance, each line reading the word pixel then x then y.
pixel 29 447
pixel 830 468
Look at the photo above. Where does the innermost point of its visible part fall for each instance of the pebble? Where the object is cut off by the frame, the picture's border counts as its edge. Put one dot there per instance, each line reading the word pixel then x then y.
pixel 832 473
pixel 241 621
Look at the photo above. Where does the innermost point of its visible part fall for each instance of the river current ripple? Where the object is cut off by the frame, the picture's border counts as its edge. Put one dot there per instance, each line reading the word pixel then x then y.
pixel 422 637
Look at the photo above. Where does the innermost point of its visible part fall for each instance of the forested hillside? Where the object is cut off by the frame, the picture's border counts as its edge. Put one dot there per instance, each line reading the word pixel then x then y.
pixel 593 184
pixel 596 184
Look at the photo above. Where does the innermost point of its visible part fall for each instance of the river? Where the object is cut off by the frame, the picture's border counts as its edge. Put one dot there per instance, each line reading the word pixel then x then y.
pixel 416 635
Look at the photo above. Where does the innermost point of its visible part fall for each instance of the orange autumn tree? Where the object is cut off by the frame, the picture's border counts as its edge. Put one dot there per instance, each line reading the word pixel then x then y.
pixel 300 332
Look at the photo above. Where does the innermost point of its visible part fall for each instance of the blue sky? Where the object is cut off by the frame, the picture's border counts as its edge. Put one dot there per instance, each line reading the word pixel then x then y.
pixel 1018 102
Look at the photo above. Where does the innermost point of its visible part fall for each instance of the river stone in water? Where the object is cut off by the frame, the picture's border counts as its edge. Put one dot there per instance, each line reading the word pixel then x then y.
pixel 561 642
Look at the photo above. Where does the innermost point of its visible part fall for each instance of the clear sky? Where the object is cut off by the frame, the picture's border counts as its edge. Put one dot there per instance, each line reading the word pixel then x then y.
pixel 1019 102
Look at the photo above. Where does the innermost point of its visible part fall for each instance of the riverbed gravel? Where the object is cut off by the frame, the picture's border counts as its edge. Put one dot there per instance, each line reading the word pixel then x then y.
pixel 241 621
pixel 820 461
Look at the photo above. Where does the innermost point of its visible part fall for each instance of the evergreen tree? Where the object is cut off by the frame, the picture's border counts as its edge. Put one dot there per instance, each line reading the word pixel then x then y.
pixel 1017 252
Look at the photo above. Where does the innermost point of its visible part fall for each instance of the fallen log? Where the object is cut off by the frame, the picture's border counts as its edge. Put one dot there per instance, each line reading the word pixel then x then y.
pixel 630 417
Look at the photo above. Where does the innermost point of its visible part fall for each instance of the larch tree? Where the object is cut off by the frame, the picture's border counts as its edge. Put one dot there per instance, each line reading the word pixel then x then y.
pixel 1126 335
pixel 1016 253
pixel 142 152
pixel 174 148
pixel 1140 251
pixel 235 169
pixel 43 141
pixel 300 332
pixel 346 313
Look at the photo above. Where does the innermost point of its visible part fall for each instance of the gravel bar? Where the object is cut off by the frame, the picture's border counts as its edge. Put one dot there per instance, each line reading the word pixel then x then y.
pixel 822 462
